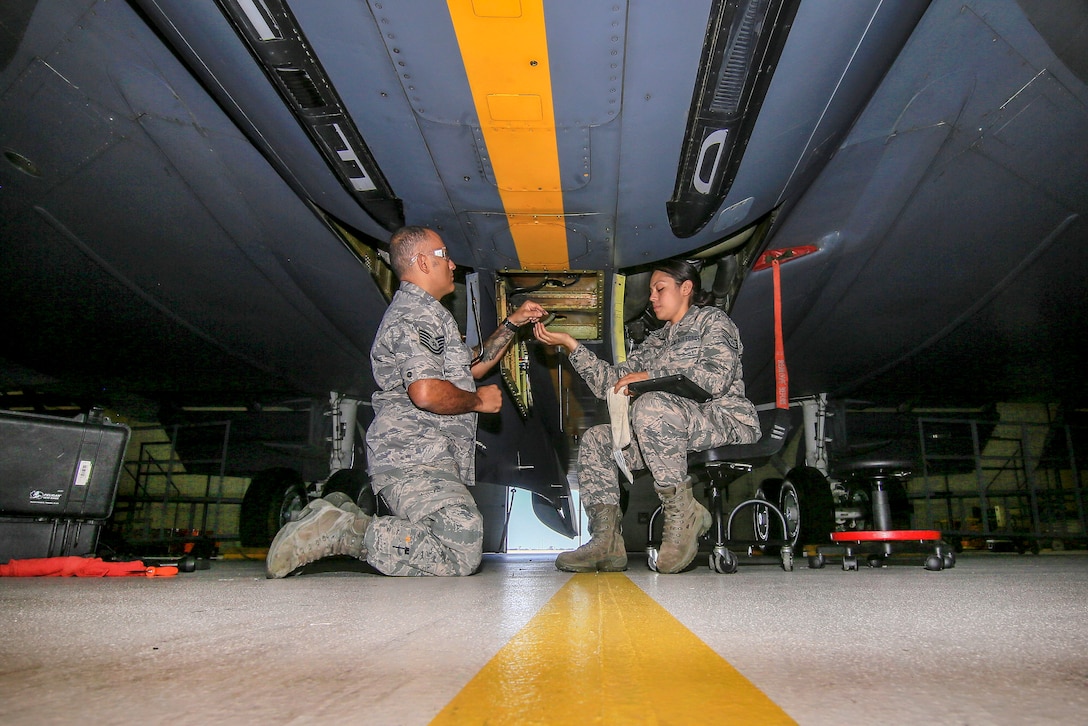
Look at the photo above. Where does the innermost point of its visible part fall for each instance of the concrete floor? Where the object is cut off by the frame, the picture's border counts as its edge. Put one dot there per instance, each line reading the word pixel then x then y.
pixel 999 639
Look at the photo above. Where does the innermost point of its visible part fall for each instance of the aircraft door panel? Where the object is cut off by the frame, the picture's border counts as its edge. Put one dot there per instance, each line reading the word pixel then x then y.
pixel 201 35
pixel 740 51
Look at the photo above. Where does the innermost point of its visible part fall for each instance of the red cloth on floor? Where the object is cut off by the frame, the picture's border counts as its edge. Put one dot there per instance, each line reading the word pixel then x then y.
pixel 81 567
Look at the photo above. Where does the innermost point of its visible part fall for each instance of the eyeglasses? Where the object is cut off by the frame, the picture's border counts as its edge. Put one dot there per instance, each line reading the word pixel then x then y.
pixel 440 252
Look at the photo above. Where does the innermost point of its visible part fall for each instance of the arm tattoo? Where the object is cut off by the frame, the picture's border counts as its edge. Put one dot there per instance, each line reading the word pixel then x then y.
pixel 496 344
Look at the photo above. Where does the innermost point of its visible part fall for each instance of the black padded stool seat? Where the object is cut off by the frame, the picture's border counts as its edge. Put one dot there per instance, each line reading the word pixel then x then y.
pixel 775 425
pixel 863 465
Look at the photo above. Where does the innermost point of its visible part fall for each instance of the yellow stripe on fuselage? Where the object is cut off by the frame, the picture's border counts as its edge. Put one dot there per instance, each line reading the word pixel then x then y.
pixel 603 652
pixel 504 47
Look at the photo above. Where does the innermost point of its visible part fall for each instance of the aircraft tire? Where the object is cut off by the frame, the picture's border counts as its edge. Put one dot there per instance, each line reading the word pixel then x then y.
pixel 761 515
pixel 783 494
pixel 356 484
pixel 271 498
pixel 815 506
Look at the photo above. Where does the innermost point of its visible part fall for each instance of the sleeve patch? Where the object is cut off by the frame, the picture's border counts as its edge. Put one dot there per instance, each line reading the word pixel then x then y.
pixel 433 342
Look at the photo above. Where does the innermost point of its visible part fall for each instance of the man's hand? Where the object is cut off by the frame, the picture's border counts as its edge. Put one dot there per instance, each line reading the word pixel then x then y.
pixel 493 348
pixel 529 312
pixel 490 399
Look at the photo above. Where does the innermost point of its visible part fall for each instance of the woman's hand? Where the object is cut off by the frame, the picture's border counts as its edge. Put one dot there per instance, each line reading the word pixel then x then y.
pixel 621 384
pixel 550 337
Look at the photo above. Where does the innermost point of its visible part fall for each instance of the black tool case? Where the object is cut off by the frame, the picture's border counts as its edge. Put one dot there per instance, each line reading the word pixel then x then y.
pixel 58 482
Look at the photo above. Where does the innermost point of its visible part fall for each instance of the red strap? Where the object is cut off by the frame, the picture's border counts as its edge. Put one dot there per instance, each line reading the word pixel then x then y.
pixel 81 567
pixel 781 377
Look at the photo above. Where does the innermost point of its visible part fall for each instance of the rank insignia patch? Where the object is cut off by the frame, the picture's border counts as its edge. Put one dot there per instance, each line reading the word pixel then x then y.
pixel 434 343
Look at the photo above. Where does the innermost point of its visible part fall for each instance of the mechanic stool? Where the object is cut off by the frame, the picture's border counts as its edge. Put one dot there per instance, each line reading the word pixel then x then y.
pixel 878 541
pixel 724 465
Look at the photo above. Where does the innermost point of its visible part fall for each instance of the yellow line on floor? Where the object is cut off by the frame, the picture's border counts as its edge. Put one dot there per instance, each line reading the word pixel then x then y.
pixel 603 652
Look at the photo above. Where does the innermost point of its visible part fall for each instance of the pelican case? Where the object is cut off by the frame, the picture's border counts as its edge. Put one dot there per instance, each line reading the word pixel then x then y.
pixel 58 482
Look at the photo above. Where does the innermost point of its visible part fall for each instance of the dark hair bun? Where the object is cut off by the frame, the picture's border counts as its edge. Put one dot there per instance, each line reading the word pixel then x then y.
pixel 683 271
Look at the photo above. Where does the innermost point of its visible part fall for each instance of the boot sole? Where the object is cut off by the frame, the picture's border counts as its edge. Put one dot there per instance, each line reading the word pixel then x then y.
pixel 286 556
pixel 612 566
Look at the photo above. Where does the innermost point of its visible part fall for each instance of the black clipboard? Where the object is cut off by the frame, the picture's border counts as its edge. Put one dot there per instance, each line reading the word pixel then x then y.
pixel 679 385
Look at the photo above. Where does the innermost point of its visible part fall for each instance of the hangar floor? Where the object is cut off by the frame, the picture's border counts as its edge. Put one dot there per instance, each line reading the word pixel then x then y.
pixel 1000 639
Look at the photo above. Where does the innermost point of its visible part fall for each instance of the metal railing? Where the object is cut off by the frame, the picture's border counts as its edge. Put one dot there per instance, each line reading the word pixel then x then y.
pixel 161 504
pixel 1014 482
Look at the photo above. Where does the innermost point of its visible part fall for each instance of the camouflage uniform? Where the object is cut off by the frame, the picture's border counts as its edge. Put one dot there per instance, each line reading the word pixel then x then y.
pixel 705 346
pixel 421 462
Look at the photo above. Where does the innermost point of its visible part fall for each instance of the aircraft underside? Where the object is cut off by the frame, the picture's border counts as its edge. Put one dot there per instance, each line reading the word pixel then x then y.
pixel 197 194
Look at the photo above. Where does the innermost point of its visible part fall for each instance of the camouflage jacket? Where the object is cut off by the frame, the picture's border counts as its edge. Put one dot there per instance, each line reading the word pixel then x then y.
pixel 418 339
pixel 705 346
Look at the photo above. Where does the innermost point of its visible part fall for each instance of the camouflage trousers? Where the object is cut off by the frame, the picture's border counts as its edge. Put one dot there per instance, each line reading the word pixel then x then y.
pixel 435 529
pixel 664 428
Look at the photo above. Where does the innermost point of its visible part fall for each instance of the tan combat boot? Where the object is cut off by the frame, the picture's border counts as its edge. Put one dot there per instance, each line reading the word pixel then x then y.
pixel 322 529
pixel 685 521
pixel 605 551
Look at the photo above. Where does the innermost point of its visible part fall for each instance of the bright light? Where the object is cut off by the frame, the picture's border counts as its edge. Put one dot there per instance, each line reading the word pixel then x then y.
pixel 526 533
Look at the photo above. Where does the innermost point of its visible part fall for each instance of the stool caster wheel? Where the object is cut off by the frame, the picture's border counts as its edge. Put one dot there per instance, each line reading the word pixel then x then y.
pixel 186 563
pixel 651 558
pixel 849 562
pixel 724 562
pixel 817 561
pixel 934 563
pixel 787 559
pixel 875 561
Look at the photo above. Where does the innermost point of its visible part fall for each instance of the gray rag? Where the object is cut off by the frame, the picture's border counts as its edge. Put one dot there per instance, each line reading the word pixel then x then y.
pixel 618 407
